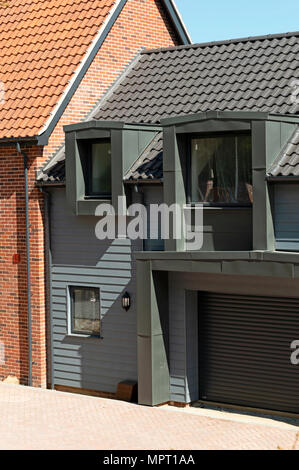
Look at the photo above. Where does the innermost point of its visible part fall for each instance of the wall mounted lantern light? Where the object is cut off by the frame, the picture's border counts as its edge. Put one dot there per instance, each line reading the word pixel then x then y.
pixel 126 301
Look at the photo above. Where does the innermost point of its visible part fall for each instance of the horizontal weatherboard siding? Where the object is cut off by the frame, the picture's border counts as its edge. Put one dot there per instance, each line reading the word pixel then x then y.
pixel 80 259
pixel 286 216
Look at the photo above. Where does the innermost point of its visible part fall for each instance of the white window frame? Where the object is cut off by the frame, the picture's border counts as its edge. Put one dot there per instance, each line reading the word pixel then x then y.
pixel 69 311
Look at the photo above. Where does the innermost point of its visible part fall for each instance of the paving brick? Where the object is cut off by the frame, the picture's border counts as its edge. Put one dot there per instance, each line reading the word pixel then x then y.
pixel 43 419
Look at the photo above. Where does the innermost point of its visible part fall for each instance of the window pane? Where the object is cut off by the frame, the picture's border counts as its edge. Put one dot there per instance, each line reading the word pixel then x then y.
pixel 101 168
pixel 85 310
pixel 221 169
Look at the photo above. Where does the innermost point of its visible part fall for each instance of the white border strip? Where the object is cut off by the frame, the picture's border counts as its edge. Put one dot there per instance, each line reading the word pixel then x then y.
pixel 175 7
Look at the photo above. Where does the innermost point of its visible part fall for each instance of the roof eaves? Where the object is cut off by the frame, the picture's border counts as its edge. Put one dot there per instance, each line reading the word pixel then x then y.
pixel 143 181
pixel 25 140
pixel 282 179
pixel 75 81
pixel 49 183
pixel 220 43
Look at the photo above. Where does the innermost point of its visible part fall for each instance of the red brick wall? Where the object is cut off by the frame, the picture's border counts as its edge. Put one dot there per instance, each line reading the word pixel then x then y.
pixel 13 283
pixel 141 23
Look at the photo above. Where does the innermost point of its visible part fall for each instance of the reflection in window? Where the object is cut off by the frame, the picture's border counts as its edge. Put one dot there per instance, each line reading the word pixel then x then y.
pixel 85 310
pixel 221 170
pixel 100 169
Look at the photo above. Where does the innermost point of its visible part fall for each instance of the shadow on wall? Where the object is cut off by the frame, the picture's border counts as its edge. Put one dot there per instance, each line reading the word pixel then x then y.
pixel 100 364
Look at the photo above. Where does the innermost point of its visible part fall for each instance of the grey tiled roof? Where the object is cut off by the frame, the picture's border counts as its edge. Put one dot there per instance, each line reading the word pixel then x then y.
pixel 288 162
pixel 55 174
pixel 254 74
pixel 54 169
pixel 251 74
pixel 149 165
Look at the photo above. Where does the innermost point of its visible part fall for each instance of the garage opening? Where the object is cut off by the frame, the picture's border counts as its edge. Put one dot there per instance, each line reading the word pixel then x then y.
pixel 245 351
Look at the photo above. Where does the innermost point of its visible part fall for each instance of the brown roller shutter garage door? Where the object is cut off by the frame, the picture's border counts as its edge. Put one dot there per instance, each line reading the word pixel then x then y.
pixel 245 351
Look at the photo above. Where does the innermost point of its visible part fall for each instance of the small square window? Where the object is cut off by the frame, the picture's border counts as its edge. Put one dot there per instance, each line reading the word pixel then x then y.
pixel 85 311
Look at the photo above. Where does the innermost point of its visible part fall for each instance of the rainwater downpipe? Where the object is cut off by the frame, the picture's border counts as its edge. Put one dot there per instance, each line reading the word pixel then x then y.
pixel 25 157
pixel 48 256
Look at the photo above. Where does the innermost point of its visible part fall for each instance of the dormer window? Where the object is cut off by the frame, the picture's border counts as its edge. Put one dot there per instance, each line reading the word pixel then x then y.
pixel 221 169
pixel 98 154
pixel 98 170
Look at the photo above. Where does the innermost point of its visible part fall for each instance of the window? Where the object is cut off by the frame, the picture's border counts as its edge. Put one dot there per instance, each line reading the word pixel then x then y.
pixel 85 311
pixel 99 170
pixel 221 170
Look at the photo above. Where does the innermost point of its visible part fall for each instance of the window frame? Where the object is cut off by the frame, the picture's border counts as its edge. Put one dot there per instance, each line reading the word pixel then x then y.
pixel 70 309
pixel 203 135
pixel 89 195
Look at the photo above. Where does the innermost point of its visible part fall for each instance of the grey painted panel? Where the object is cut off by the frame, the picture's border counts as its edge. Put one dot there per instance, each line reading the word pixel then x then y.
pixel 286 216
pixel 153 195
pixel 227 230
pixel 192 382
pixel 177 340
pixel 183 354
pixel 256 268
pixel 134 143
pixel 287 245
pixel 80 259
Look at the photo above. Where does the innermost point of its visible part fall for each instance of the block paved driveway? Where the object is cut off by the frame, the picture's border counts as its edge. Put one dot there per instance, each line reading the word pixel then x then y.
pixel 43 419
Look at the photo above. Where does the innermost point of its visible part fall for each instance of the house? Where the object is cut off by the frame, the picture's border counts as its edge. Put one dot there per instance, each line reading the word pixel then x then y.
pixel 213 124
pixel 58 58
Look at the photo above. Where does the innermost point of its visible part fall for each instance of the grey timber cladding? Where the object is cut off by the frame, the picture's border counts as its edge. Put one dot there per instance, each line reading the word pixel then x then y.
pixel 80 259
pixel 286 217
pixel 183 341
pixel 153 194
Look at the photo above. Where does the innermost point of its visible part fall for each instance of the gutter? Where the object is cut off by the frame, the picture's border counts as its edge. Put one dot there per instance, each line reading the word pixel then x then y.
pixel 281 179
pixel 15 140
pixel 140 182
pixel 48 257
pixel 55 184
pixel 52 184
pixel 25 157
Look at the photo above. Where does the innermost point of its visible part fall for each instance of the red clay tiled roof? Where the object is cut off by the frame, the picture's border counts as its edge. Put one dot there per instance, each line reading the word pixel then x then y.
pixel 42 44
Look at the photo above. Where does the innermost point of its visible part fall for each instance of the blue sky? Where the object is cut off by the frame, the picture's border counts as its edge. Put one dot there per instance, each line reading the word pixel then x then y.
pixel 214 20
